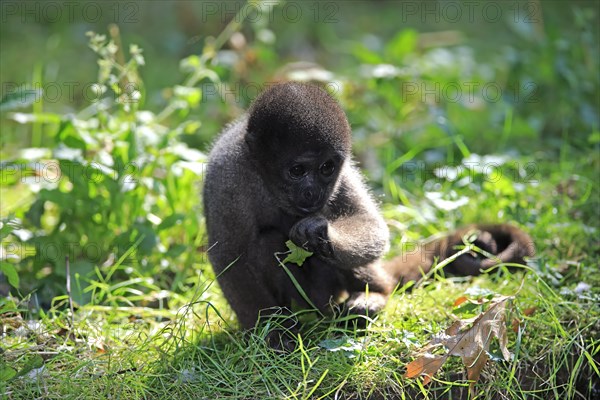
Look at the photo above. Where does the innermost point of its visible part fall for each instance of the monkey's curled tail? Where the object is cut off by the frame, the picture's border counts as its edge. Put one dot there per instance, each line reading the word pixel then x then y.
pixel 501 243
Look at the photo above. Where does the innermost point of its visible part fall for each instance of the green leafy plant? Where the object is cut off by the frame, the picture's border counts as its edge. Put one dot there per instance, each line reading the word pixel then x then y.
pixel 115 191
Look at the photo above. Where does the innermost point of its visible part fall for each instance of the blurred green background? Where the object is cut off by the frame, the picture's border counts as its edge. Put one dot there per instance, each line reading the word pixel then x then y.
pixel 462 112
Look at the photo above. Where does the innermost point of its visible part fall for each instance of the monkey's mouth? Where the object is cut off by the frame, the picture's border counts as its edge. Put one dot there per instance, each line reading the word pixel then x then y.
pixel 304 207
pixel 309 210
pixel 306 210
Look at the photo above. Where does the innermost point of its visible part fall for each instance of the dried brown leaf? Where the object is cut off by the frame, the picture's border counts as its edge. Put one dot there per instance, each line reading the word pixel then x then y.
pixel 529 311
pixel 474 367
pixel 516 321
pixel 515 324
pixel 428 364
pixel 469 339
pixel 459 301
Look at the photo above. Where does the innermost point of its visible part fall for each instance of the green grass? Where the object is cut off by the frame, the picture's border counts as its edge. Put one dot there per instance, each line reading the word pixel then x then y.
pixel 197 353
pixel 149 320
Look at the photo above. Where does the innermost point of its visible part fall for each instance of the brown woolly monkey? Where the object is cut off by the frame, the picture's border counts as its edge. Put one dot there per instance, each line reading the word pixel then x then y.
pixel 284 171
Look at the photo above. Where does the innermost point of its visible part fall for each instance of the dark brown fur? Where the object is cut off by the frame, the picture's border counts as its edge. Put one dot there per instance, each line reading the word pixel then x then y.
pixel 254 202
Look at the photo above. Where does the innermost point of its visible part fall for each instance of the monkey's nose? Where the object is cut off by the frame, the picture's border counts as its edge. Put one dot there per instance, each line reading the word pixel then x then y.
pixel 308 194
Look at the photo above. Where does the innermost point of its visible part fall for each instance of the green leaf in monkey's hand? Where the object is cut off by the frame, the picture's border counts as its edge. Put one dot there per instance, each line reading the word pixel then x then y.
pixel 297 254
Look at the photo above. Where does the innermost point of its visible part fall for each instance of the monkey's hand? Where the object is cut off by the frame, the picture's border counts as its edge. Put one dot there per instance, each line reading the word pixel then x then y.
pixel 312 234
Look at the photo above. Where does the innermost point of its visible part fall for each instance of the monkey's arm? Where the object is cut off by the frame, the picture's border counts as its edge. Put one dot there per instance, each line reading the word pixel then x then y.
pixel 356 230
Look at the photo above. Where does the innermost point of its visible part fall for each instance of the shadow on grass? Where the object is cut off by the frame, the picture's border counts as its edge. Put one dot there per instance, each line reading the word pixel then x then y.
pixel 334 359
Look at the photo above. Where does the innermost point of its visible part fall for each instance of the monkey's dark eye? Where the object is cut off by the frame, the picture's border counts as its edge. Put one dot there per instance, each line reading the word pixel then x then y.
pixel 327 168
pixel 297 171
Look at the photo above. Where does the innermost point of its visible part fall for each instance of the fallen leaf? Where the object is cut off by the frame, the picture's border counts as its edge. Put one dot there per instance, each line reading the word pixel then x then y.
pixel 459 301
pixel 428 364
pixel 469 339
pixel 517 321
pixel 529 311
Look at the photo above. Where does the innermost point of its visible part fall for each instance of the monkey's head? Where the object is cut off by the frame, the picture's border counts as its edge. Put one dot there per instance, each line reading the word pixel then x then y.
pixel 299 138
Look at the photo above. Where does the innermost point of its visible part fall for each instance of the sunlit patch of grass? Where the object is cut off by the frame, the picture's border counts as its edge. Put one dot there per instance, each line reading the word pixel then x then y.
pixel 147 353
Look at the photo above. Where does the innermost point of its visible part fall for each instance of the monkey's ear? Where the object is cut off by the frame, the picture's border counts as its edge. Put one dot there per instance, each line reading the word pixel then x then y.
pixel 254 142
pixel 262 143
pixel 257 147
pixel 250 139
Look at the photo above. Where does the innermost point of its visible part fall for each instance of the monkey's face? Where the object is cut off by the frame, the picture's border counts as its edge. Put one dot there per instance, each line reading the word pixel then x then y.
pixel 310 179
pixel 304 182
